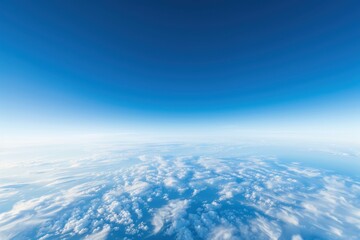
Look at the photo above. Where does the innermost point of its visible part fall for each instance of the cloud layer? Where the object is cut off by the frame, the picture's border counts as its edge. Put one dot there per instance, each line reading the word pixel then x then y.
pixel 164 196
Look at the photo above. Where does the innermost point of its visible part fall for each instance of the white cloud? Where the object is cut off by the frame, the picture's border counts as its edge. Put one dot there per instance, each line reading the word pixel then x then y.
pixel 296 237
pixel 100 235
pixel 223 233
pixel 171 213
pixel 185 197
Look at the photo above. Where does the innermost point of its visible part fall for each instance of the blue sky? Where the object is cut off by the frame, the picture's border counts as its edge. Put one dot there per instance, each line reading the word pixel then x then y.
pixel 125 66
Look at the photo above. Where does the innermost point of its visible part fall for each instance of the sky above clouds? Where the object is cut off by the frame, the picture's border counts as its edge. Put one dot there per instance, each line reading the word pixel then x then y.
pixel 90 67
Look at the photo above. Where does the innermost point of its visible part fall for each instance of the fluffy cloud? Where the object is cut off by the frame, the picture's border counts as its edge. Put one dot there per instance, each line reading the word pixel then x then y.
pixel 186 197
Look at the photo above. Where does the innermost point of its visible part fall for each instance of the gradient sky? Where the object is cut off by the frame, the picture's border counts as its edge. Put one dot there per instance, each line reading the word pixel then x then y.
pixel 116 66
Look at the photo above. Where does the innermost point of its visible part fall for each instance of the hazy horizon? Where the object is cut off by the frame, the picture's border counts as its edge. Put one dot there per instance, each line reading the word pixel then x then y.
pixel 179 119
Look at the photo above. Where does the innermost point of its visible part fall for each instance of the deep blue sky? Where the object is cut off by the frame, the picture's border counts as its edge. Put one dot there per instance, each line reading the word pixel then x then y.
pixel 169 59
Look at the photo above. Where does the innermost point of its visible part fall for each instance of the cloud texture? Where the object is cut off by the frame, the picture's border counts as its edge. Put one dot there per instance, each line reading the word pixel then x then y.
pixel 164 196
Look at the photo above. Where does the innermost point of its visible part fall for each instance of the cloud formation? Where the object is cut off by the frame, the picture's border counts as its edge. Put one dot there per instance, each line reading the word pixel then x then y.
pixel 190 197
